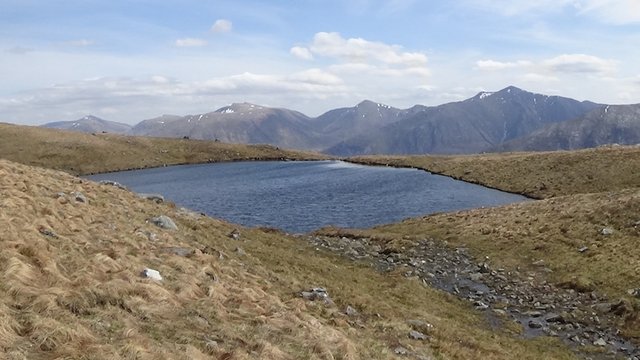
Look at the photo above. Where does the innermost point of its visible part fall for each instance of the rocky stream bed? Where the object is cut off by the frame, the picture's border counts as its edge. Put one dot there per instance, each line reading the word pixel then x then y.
pixel 585 321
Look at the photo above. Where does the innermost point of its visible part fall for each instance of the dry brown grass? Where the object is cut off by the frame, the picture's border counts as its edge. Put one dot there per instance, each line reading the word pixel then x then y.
pixel 79 294
pixel 539 175
pixel 83 154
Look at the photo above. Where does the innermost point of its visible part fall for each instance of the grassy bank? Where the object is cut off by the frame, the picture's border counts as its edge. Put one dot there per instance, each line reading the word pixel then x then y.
pixel 82 154
pixel 538 175
pixel 72 253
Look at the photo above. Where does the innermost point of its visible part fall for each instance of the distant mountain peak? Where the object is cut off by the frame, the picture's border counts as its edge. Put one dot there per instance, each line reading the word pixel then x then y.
pixel 240 107
pixel 371 104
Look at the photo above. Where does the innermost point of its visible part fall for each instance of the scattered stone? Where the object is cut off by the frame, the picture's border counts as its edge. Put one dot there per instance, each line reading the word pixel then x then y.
pixel 534 313
pixel 240 251
pixel 534 324
pixel 583 249
pixel 600 342
pixel 61 194
pixel 46 232
pixel 113 183
pixel 399 350
pixel 476 276
pixel 314 294
pixel 538 263
pixel 417 335
pixel 152 274
pixel 234 234
pixel 484 268
pixel 634 292
pixel 349 311
pixel 480 305
pixel 79 197
pixel 606 231
pixel 156 198
pixel 555 318
pixel 420 325
pixel 164 222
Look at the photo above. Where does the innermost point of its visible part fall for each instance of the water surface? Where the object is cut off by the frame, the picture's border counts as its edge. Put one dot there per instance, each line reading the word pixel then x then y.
pixel 301 196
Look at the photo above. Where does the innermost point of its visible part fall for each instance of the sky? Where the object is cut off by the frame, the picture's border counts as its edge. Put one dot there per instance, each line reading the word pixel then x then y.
pixel 132 60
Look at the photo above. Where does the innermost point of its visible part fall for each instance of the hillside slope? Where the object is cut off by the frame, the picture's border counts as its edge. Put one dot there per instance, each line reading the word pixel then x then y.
pixel 73 254
pixel 612 124
pixel 79 153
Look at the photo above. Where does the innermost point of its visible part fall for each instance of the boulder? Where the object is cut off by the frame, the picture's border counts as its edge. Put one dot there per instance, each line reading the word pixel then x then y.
pixel 156 198
pixel 152 274
pixel 164 222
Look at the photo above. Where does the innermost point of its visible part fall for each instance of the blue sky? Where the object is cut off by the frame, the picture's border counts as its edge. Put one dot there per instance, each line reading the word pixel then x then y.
pixel 132 60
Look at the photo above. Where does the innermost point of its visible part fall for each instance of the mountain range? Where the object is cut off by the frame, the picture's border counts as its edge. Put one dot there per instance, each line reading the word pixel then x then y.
pixel 511 119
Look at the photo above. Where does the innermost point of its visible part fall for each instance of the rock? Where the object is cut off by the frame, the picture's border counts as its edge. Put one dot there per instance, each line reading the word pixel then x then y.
pixel 583 249
pixel 600 342
pixel 79 197
pixel 480 305
pixel 399 350
pixel 634 292
pixel 534 324
pixel 240 251
pixel 476 277
pixel 349 311
pixel 555 318
pixel 113 183
pixel 157 198
pixel 152 274
pixel 533 313
pixel 164 222
pixel 606 231
pixel 417 335
pixel 47 232
pixel 235 234
pixel 317 293
pixel 484 268
pixel 421 326
pixel 622 307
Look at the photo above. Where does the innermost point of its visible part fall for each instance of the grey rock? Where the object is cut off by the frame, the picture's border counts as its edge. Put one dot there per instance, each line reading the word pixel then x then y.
pixel 534 324
pixel 152 274
pixel 600 342
pixel 583 249
pixel 349 311
pixel 634 292
pixel 164 222
pixel 235 234
pixel 79 197
pixel 317 293
pixel 399 350
pixel 157 198
pixel 417 335
pixel 554 318
pixel 47 232
pixel 606 231
pixel 538 263
pixel 420 325
pixel 113 183
pixel 476 276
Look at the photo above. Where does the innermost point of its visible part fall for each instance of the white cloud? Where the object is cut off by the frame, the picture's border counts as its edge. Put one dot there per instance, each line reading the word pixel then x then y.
pixel 190 42
pixel 580 63
pixel 561 64
pixel 492 65
pixel 301 53
pixel 222 26
pixel 612 11
pixel 358 50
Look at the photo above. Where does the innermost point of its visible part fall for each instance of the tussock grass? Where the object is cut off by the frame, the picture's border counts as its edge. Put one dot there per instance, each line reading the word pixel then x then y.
pixel 71 288
pixel 538 175
pixel 83 154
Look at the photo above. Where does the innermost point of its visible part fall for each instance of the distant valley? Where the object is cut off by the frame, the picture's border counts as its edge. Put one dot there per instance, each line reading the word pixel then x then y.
pixel 511 119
